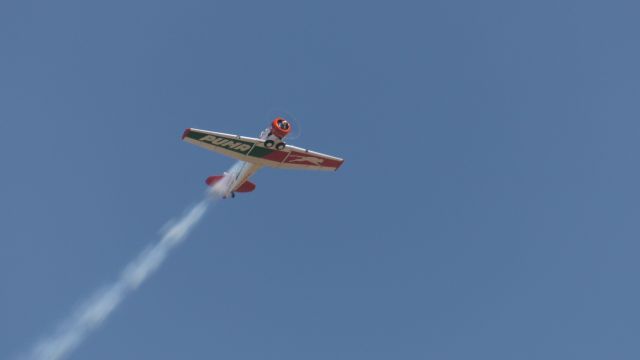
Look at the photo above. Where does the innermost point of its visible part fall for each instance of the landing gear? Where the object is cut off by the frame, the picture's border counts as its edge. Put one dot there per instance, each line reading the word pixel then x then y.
pixel 272 140
pixel 233 194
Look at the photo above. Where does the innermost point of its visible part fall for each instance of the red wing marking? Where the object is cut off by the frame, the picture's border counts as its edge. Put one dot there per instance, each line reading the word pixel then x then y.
pixel 276 155
pixel 309 159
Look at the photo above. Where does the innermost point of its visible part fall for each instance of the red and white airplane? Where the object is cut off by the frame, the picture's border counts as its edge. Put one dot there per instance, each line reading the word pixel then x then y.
pixel 267 150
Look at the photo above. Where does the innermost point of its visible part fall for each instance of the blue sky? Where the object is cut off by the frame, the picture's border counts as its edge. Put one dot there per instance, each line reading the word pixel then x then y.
pixel 487 207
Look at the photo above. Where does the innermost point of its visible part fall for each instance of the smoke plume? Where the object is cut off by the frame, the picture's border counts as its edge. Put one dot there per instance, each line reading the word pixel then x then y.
pixel 96 309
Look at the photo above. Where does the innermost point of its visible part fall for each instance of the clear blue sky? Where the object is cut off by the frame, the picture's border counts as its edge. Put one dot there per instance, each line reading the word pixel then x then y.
pixel 487 209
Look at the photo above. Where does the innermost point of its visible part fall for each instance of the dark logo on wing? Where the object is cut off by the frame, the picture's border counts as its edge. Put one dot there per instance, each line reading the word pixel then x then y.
pixel 234 145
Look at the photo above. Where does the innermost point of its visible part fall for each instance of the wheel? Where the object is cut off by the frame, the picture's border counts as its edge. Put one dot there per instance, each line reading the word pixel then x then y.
pixel 233 195
pixel 268 143
pixel 281 146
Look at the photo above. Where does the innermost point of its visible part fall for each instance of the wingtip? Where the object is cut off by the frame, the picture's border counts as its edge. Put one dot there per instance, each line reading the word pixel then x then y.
pixel 185 133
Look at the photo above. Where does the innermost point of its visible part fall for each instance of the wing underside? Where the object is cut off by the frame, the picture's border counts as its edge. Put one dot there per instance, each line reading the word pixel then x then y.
pixel 253 150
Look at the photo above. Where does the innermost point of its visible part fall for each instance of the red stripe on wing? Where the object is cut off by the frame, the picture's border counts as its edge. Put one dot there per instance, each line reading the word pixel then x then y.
pixel 303 158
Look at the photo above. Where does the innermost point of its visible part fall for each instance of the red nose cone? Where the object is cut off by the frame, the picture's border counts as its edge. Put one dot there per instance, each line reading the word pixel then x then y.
pixel 280 127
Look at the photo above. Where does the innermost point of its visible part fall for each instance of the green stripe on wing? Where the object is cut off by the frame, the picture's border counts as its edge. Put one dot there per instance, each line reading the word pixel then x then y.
pixel 232 144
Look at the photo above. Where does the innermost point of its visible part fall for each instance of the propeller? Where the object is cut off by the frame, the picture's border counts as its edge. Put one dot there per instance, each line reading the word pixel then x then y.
pixel 295 123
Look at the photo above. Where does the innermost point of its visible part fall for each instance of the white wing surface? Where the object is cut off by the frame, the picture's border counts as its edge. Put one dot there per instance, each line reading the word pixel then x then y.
pixel 253 150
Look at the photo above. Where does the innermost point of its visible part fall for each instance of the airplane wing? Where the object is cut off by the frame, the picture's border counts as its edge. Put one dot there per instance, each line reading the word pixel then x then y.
pixel 253 150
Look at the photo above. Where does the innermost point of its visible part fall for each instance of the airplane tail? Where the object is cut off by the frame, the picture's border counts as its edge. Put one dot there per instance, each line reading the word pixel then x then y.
pixel 246 186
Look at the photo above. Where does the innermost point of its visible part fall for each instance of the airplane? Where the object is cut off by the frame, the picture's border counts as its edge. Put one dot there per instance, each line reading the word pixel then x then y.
pixel 269 149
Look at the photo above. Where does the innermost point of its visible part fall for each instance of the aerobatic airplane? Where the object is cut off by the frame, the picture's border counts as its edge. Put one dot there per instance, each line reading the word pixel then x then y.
pixel 267 150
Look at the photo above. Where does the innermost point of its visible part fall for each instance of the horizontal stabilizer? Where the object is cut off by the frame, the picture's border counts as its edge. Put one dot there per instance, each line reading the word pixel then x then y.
pixel 246 186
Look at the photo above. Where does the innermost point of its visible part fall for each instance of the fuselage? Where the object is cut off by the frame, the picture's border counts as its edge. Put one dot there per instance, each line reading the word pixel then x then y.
pixel 241 171
pixel 237 175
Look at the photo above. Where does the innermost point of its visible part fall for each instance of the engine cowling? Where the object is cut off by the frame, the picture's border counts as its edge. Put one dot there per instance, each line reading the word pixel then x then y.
pixel 280 127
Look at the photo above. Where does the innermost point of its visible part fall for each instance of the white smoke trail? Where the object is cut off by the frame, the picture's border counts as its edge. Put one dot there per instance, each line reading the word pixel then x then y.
pixel 94 311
